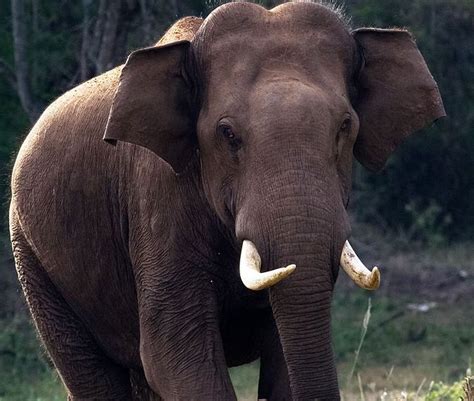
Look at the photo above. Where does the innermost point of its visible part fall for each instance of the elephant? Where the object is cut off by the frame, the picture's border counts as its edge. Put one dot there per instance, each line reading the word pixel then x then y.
pixel 187 211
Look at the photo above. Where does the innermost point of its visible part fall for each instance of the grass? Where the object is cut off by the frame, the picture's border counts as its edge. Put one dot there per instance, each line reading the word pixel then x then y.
pixel 438 344
pixel 415 344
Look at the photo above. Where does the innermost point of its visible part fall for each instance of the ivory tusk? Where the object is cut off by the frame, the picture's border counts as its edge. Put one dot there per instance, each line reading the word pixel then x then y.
pixel 250 274
pixel 363 277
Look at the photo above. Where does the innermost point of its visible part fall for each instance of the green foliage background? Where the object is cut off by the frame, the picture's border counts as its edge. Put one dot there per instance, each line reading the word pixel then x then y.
pixel 427 188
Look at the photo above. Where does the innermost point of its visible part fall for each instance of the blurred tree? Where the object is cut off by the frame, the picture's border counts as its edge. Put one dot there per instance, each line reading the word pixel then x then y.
pixel 22 68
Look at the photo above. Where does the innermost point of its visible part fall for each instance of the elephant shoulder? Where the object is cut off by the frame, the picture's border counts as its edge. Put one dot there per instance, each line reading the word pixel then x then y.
pixel 82 110
pixel 77 117
pixel 65 145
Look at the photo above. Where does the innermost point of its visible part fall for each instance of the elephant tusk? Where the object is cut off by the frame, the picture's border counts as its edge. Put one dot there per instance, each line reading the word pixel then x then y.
pixel 363 277
pixel 250 274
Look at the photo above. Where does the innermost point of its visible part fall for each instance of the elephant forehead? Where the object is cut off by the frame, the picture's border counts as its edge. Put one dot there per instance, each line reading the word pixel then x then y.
pixel 240 40
pixel 293 16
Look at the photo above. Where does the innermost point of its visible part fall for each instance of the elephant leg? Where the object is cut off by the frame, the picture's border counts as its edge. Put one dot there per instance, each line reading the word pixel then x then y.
pixel 273 384
pixel 85 371
pixel 181 346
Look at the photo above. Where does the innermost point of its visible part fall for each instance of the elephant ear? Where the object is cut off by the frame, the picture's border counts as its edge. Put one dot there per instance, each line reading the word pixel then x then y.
pixel 397 94
pixel 153 106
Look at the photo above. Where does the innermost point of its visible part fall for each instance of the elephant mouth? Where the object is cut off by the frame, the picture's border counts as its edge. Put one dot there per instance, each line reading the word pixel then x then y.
pixel 254 279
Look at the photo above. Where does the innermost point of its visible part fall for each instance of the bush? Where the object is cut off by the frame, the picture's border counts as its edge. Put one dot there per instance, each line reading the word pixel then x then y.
pixel 444 392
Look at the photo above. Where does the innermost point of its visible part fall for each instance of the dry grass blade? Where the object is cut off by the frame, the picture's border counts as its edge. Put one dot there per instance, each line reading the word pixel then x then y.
pixel 365 325
pixel 361 389
pixel 420 387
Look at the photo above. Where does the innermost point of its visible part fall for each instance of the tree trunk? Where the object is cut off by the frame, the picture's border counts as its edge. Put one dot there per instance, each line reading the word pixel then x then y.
pixel 35 41
pixel 22 70
pixel 93 49
pixel 84 57
pixel 105 58
pixel 146 21
pixel 174 9
pixel 9 74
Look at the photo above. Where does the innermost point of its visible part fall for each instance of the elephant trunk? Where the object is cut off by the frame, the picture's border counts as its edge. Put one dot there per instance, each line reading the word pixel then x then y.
pixel 302 229
pixel 301 307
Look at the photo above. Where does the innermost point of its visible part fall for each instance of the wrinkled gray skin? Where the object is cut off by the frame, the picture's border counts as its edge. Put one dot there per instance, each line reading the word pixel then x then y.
pixel 128 266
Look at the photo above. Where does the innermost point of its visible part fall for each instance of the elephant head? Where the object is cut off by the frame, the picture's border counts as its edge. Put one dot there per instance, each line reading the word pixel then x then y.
pixel 275 103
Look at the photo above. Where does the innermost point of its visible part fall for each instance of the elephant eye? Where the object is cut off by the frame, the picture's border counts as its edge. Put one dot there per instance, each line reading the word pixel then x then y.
pixel 226 131
pixel 342 136
pixel 345 125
